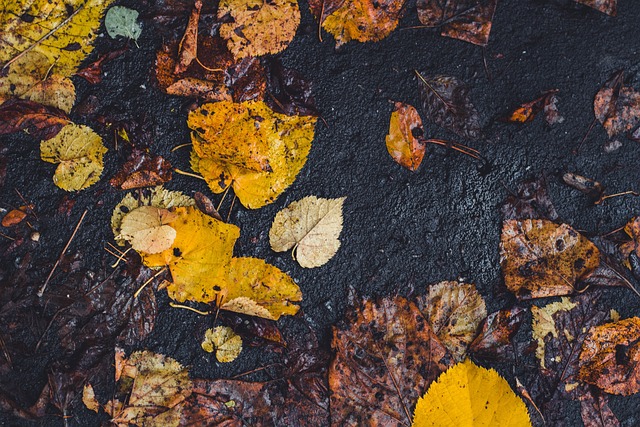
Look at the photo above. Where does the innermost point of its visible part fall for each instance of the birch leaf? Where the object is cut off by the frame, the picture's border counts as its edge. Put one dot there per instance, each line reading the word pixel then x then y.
pixel 147 230
pixel 122 21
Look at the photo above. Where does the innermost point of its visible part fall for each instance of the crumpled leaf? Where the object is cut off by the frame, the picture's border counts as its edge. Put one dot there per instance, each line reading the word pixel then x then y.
pixel 147 230
pixel 258 28
pixel 121 21
pixel 266 152
pixel 385 356
pixel 610 357
pixel 593 189
pixel 540 258
pixel 362 20
pixel 616 106
pixel 467 395
pixel 496 333
pixel 446 102
pixel 467 20
pixel 311 226
pixel 142 169
pixel 61 30
pixel 224 342
pixel 545 103
pixel 35 119
pixel 78 150
pixel 454 310
pixel 605 6
pixel 403 140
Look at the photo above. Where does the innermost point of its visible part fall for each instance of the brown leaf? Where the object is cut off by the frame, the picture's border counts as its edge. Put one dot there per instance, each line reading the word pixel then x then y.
pixel 93 72
pixel 385 356
pixel 255 330
pixel 288 92
pixel 540 258
pixel 403 140
pixel 585 185
pixel 323 8
pixel 38 120
pixel 446 102
pixel 467 20
pixel 188 48
pixel 206 205
pixel 605 6
pixel 595 411
pixel 142 170
pixel 247 80
pixel 616 106
pixel 532 201
pixel 496 334
pixel 610 357
pixel 544 103
pixel 13 217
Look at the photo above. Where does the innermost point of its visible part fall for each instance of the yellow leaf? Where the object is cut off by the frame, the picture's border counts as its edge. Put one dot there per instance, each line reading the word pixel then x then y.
pixel 226 343
pixel 402 144
pixel 265 285
pixel 311 226
pixel 79 152
pixel 258 27
pixel 147 230
pixel 89 398
pixel 467 395
pixel 61 30
pixel 363 20
pixel 544 324
pixel 199 257
pixel 250 147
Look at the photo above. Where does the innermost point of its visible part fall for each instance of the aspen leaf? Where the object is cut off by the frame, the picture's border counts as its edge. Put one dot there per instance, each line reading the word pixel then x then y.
pixel 147 230
pixel 258 28
pixel 78 150
pixel 402 140
pixel 467 395
pixel 311 226
pixel 122 21
pixel 249 147
pixel 224 342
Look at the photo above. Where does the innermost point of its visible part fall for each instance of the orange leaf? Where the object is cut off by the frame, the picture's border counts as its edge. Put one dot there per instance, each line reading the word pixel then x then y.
pixel 403 144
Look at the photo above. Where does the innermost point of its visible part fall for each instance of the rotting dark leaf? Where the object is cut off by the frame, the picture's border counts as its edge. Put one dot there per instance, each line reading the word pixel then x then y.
pixel 595 410
pixel 605 6
pixel 323 8
pixel 467 20
pixel 531 201
pixel 246 79
pixel 142 170
pixel 546 103
pixel 617 107
pixel 93 72
pixel 255 331
pixel 593 189
pixel 612 270
pixel 206 205
pixel 497 331
pixel 40 121
pixel 446 102
pixel 188 47
pixel 287 90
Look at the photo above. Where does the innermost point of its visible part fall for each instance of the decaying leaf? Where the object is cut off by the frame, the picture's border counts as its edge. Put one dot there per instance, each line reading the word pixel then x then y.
pixel 36 119
pixel 595 411
pixel 224 342
pixel 362 20
pixel 454 310
pixel 605 6
pixel 258 28
pixel 249 147
pixel 403 140
pixel 540 258
pixel 632 229
pixel 544 324
pixel 616 106
pixel 311 226
pixel 147 230
pixel 497 333
pixel 532 201
pixel 610 357
pixel 585 185
pixel 288 91
pixel 93 72
pixel 467 20
pixel 13 217
pixel 78 151
pixel 467 395
pixel 142 169
pixel 121 21
pixel 545 103
pixel 446 102
pixel 89 398
pixel 385 356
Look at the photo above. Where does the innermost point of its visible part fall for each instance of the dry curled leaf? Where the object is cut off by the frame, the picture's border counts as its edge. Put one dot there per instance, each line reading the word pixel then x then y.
pixel 467 395
pixel 454 311
pixel 224 342
pixel 585 185
pixel 404 138
pixel 147 230
pixel 35 119
pixel 78 151
pixel 632 229
pixel 616 106
pixel 605 6
pixel 467 20
pixel 311 226
pixel 540 258
pixel 595 411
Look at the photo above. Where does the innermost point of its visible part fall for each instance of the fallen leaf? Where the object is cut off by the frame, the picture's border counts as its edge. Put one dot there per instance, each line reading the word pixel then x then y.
pixel 89 398
pixel 311 226
pixel 616 106
pixel 93 72
pixel 446 102
pixel 268 149
pixel 587 186
pixel 467 395
pixel 121 21
pixel 255 331
pixel 467 20
pixel 36 119
pixel 362 20
pixel 595 411
pixel 403 140
pixel 544 324
pixel 454 311
pixel 545 103
pixel 605 6
pixel 532 201
pixel 385 357
pixel 540 258
pixel 206 205
pixel 288 92
pixel 496 333
pixel 142 169
pixel 258 28
pixel 147 230
pixel 78 150
pixel 323 8
pixel 224 342
pixel 610 357
pixel 13 217
pixel 188 48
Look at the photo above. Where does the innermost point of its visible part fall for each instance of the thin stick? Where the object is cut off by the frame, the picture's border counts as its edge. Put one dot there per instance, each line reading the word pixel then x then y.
pixel 186 307
pixel 120 257
pixel 27 204
pixel 432 89
pixel 609 196
pixel 177 147
pixel 253 371
pixel 213 70
pixel 7 237
pixel 486 66
pixel 46 282
pixel 586 135
pixel 144 285
pixel 192 175
pixel 233 201
pixel 320 22
pixel 223 196
pixel 471 152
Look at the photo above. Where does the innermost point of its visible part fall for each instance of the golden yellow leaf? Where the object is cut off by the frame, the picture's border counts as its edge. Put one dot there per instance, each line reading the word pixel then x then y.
pixel 226 343
pixel 467 395
pixel 265 285
pixel 363 20
pixel 89 398
pixel 258 27
pixel 78 150
pixel 259 154
pixel 311 226
pixel 402 140
pixel 544 324
pixel 454 311
pixel 61 30
pixel 199 257
pixel 147 230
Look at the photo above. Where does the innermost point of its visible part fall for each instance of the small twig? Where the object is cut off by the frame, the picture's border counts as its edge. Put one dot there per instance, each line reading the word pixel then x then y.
pixel 222 200
pixel 233 201
pixel 144 285
pixel 471 152
pixel 320 22
pixel 253 371
pixel 7 237
pixel 586 135
pixel 192 175
pixel 213 70
pixel 186 307
pixel 435 92
pixel 46 282
pixel 610 196
pixel 177 147
pixel 486 66
pixel 120 257
pixel 27 204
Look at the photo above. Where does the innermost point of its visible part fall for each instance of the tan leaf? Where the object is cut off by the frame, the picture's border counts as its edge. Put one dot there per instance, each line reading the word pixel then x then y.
pixel 224 342
pixel 147 230
pixel 89 398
